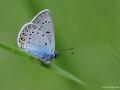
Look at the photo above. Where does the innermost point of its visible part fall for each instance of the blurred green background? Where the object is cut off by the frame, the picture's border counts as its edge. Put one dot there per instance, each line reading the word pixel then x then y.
pixel 87 25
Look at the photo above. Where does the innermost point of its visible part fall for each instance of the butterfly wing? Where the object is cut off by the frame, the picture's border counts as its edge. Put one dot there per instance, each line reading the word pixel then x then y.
pixel 31 39
pixel 44 21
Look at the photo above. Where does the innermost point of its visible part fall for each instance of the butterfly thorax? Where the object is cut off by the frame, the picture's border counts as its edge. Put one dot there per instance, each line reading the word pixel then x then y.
pixel 47 58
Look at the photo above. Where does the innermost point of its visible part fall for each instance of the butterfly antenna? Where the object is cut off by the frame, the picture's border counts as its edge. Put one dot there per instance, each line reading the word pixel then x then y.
pixel 67 49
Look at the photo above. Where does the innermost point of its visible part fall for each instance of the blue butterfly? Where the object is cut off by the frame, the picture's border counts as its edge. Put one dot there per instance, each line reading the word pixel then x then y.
pixel 37 37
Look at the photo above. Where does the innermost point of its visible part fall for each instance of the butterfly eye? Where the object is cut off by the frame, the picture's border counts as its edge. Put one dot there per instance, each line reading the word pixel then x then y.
pixel 56 55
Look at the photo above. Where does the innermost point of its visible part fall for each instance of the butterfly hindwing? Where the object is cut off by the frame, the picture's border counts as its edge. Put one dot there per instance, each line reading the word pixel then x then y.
pixel 32 36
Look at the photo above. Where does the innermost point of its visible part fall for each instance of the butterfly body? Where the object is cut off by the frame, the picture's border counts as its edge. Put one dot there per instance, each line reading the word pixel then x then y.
pixel 37 37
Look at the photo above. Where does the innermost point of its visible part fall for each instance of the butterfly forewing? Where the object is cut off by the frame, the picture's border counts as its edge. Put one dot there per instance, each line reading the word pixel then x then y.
pixel 44 21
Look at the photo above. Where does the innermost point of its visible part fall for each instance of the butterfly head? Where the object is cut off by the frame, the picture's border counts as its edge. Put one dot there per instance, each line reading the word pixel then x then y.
pixel 56 55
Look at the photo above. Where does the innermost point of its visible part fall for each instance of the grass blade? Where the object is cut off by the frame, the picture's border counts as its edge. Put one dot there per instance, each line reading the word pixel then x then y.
pixel 52 67
pixel 67 74
pixel 114 53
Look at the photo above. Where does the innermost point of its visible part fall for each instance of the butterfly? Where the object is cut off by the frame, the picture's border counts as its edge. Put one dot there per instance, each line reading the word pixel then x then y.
pixel 37 37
